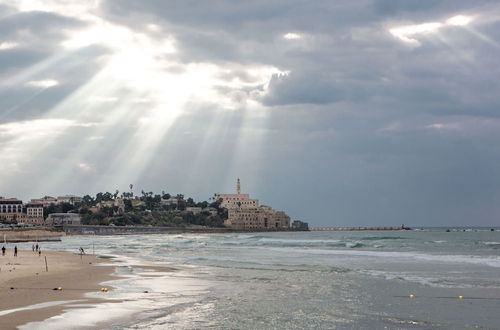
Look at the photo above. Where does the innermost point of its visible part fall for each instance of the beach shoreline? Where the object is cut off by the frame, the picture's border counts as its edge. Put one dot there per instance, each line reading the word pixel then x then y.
pixel 32 290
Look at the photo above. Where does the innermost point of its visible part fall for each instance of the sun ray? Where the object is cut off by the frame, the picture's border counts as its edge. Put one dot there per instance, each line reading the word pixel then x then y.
pixel 135 102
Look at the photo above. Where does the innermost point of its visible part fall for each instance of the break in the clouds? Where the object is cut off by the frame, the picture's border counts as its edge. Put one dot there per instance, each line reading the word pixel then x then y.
pixel 368 112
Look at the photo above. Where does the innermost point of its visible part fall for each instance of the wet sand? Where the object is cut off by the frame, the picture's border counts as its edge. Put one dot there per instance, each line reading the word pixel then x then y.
pixel 25 281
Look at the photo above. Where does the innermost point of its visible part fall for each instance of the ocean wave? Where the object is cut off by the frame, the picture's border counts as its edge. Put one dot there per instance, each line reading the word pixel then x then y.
pixel 429 281
pixel 306 243
pixel 378 238
pixel 257 265
pixel 353 245
pixel 492 261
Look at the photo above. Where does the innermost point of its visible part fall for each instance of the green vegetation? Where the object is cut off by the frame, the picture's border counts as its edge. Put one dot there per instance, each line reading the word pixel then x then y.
pixel 148 209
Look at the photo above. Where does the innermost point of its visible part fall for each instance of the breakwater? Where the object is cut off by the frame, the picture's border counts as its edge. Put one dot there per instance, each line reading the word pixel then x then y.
pixel 357 228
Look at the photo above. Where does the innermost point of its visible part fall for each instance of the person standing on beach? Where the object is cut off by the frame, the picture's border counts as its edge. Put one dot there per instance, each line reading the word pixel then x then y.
pixel 33 248
pixel 3 250
pixel 15 251
pixel 36 247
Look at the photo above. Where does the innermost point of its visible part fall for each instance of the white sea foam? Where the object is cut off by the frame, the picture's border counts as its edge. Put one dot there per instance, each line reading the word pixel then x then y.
pixel 492 243
pixel 132 294
pixel 298 241
pixel 424 280
pixel 492 261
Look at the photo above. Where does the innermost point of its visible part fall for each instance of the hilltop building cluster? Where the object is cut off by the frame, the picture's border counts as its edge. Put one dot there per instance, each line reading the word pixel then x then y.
pixel 235 211
pixel 245 213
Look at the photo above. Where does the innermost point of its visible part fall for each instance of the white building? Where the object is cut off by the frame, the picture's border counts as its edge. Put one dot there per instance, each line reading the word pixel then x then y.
pixel 11 209
pixel 57 219
pixel 170 201
pixel 245 213
pixel 46 200
pixel 34 213
pixel 238 200
pixel 118 203
pixel 72 199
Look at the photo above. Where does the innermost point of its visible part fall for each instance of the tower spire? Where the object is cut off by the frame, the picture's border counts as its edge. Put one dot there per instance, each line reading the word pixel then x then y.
pixel 238 188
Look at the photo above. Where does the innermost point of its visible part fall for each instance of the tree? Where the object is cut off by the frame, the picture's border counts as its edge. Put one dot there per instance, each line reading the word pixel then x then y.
pixel 65 207
pixel 107 196
pixel 128 205
pixel 203 204
pixel 88 200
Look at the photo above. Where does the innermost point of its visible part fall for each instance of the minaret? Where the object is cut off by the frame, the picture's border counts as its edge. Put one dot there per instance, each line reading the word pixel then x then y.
pixel 238 188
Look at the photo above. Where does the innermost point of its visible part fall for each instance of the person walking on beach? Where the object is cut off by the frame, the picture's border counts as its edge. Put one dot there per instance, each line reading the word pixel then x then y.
pixel 36 247
pixel 3 250
pixel 33 248
pixel 15 251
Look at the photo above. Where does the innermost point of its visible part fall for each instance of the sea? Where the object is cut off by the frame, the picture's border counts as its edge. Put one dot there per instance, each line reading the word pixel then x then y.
pixel 431 278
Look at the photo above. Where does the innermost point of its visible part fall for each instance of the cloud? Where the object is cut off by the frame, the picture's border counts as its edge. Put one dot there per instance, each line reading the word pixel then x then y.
pixel 439 126
pixel 84 167
pixel 409 33
pixel 38 128
pixel 292 36
pixel 317 95
pixel 43 83
pixel 8 45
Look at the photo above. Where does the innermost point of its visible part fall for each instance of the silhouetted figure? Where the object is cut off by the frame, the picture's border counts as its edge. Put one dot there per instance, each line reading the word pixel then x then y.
pixel 3 250
pixel 15 251
pixel 36 247
pixel 33 248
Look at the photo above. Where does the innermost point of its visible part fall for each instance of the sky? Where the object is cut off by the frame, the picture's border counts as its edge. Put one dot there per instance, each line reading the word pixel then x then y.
pixel 340 113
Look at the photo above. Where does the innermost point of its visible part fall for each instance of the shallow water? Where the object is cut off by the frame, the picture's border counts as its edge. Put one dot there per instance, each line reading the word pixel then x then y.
pixel 300 280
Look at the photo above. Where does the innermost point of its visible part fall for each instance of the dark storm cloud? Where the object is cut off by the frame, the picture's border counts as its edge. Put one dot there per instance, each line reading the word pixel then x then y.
pixel 364 129
pixel 346 51
pixel 363 119
pixel 304 89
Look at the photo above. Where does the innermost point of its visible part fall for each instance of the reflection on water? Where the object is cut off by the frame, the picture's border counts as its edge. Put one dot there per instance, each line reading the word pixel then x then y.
pixel 295 280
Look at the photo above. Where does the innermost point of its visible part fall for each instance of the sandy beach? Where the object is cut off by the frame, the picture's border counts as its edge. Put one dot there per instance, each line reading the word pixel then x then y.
pixel 25 281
